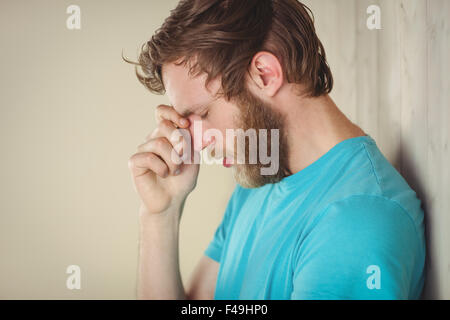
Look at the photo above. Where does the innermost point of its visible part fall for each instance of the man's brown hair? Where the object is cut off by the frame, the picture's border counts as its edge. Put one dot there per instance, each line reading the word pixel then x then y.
pixel 220 38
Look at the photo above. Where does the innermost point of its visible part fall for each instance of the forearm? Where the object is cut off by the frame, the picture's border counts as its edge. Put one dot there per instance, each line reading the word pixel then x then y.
pixel 158 271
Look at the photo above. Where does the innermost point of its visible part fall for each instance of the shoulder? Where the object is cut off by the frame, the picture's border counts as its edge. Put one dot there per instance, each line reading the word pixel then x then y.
pixel 353 235
pixel 374 221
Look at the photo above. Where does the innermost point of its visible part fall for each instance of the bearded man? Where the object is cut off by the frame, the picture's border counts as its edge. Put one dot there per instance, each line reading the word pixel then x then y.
pixel 335 221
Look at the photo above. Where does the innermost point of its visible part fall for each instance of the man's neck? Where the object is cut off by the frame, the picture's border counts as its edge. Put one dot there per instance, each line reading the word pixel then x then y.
pixel 314 126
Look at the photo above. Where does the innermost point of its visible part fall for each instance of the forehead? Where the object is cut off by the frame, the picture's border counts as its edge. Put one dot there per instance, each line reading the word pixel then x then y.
pixel 184 90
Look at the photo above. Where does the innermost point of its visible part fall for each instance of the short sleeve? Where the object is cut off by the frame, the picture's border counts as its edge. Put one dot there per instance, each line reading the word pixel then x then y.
pixel 215 247
pixel 363 247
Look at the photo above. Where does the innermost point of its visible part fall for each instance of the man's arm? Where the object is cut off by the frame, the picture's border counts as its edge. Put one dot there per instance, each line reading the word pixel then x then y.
pixel 163 182
pixel 158 267
pixel 203 280
pixel 159 273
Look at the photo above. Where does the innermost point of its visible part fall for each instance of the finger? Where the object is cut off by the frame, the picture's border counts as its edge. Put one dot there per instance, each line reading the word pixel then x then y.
pixel 179 138
pixel 165 128
pixel 169 113
pixel 141 163
pixel 164 149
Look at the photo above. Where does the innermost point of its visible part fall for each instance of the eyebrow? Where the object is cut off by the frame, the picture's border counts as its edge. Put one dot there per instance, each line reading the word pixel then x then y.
pixel 188 110
pixel 186 113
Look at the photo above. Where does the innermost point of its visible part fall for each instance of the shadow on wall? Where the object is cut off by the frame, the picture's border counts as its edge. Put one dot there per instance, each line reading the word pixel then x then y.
pixel 409 172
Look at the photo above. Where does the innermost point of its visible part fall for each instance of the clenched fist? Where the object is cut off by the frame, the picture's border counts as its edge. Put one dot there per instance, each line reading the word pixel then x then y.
pixel 160 176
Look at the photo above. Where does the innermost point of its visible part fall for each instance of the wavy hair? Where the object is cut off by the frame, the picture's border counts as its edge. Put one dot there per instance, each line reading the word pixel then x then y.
pixel 220 38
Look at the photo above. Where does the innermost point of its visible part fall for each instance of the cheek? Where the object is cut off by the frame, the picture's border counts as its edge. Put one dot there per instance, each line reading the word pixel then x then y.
pixel 223 122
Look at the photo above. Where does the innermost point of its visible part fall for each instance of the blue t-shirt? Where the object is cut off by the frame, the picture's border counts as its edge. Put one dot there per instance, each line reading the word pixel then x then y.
pixel 348 226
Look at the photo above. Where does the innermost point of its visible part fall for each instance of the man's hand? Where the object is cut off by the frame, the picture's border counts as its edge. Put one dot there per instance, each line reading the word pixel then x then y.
pixel 161 183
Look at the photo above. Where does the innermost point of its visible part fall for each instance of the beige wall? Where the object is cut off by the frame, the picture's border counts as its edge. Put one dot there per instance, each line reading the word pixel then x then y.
pixel 72 113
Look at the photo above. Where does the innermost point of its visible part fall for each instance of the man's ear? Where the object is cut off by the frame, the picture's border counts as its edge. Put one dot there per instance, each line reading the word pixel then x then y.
pixel 267 73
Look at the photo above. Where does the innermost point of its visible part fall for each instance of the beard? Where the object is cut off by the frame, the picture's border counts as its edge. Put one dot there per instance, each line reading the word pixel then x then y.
pixel 256 114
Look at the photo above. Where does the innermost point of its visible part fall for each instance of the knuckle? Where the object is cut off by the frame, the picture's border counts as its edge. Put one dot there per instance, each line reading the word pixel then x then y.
pixel 130 163
pixel 161 108
pixel 171 164
pixel 159 111
pixel 141 147
pixel 162 171
pixel 153 134
pixel 160 143
pixel 149 158
pixel 165 124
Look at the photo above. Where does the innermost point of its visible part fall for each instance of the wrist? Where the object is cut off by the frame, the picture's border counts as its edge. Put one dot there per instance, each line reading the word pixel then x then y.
pixel 171 215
